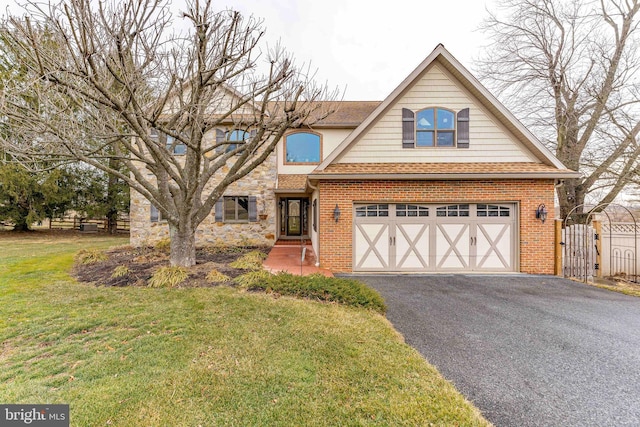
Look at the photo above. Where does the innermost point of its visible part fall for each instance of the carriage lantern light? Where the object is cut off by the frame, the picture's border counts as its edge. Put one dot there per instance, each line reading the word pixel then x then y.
pixel 541 212
pixel 336 213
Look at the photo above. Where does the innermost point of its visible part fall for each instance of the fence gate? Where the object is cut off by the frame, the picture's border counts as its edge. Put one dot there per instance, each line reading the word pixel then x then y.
pixel 602 247
pixel 580 252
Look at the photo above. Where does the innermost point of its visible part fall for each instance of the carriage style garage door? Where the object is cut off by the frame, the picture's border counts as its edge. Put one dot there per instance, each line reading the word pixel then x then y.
pixel 437 238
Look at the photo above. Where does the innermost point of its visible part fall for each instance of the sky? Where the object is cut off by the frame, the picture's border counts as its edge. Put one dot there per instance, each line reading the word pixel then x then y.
pixel 367 48
pixel 364 48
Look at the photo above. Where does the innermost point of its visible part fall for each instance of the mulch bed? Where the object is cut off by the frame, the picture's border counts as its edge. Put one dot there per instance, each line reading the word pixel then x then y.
pixel 143 262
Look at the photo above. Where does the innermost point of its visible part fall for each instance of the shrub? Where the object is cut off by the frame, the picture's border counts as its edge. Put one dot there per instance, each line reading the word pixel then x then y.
pixel 316 286
pixel 250 261
pixel 90 256
pixel 252 279
pixel 163 245
pixel 120 271
pixel 168 277
pixel 215 276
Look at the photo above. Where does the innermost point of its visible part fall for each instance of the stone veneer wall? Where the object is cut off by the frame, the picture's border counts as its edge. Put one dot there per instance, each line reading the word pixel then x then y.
pixel 260 182
pixel 536 239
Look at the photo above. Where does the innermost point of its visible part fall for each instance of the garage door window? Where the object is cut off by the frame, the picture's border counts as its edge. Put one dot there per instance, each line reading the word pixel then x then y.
pixel 412 210
pixel 372 211
pixel 493 210
pixel 453 210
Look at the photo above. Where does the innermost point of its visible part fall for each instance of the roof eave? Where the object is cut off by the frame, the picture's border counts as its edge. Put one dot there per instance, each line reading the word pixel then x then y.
pixel 444 176
pixel 290 191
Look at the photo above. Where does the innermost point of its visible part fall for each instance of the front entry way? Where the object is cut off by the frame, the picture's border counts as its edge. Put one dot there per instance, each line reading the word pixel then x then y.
pixel 294 216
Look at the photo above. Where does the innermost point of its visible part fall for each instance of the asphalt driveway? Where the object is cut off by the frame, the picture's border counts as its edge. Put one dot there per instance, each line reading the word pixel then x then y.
pixel 527 350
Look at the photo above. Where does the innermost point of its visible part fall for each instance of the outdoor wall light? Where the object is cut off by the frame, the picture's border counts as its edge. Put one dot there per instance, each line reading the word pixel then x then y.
pixel 541 212
pixel 336 213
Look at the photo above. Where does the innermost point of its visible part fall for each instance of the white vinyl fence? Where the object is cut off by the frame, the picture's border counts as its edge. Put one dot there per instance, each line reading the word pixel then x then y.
pixel 619 249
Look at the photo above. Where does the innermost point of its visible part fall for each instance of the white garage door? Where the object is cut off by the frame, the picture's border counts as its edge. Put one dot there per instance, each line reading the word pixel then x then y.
pixel 427 237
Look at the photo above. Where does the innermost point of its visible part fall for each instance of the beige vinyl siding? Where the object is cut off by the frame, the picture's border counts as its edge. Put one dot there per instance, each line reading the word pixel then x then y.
pixel 489 141
pixel 330 139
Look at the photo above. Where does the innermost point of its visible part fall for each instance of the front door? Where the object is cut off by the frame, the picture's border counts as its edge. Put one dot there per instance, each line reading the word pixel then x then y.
pixel 294 217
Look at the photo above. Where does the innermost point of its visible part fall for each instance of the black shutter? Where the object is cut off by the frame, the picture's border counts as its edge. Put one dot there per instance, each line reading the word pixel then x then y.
pixel 220 137
pixel 253 210
pixel 463 128
pixel 219 209
pixel 315 215
pixel 408 129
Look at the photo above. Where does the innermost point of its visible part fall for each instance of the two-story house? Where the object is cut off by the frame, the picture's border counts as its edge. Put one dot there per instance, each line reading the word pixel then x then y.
pixel 437 177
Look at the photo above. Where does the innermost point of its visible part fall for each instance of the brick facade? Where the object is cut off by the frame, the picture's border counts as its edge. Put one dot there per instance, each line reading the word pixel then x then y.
pixel 536 239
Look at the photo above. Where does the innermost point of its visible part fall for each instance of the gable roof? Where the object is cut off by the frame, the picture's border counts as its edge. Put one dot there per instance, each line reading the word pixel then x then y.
pixel 443 57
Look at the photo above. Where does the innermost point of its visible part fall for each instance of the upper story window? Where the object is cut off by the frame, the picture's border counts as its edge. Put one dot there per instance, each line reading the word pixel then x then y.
pixel 173 146
pixel 232 138
pixel 435 127
pixel 303 147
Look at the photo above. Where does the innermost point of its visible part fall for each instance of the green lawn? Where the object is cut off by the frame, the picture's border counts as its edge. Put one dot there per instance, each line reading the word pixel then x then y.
pixel 206 356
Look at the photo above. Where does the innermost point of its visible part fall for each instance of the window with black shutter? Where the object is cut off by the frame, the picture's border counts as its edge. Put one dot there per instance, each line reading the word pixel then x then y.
pixel 236 209
pixel 435 127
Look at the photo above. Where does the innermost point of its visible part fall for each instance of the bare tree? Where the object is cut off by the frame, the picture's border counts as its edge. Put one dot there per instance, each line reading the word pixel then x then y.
pixel 569 70
pixel 114 82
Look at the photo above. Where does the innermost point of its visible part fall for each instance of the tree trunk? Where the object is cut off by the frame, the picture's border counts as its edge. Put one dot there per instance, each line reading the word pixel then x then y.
pixel 112 197
pixel 183 246
pixel 571 197
pixel 112 222
pixel 21 225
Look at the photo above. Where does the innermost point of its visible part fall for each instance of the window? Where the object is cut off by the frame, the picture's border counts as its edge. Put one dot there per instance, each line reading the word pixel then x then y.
pixel 412 210
pixel 372 210
pixel 236 209
pixel 175 147
pixel 232 138
pixel 155 215
pixel 302 147
pixel 453 210
pixel 493 210
pixel 435 127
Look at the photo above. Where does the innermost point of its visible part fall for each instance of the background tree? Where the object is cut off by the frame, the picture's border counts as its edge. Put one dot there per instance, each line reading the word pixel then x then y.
pixel 114 71
pixel 27 197
pixel 569 70
pixel 101 195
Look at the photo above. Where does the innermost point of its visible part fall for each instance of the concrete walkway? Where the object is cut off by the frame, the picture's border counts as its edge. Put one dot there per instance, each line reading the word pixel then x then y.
pixel 287 256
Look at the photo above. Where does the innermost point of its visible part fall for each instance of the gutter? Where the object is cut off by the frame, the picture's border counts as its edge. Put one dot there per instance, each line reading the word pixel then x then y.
pixel 445 176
